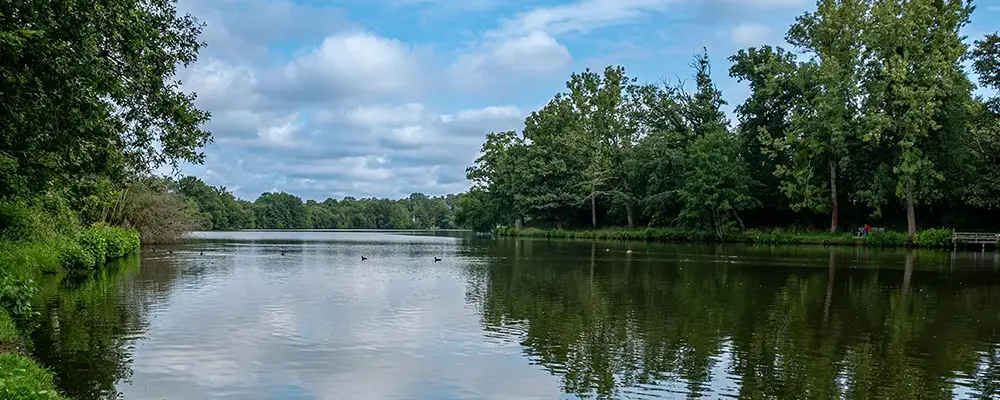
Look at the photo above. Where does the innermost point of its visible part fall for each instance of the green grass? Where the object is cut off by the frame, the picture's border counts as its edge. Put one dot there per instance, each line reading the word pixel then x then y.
pixel 23 379
pixel 27 260
pixel 35 239
pixel 931 238
pixel 8 331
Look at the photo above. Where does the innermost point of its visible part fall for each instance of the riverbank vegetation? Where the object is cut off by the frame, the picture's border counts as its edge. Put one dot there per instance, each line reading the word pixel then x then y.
pixel 216 208
pixel 89 109
pixel 870 118
pixel 929 238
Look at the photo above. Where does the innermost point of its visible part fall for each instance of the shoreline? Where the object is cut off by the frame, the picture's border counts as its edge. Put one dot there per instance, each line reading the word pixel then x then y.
pixel 927 239
pixel 22 264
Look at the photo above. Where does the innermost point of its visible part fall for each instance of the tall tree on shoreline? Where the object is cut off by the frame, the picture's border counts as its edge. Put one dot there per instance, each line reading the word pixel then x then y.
pixel 823 120
pixel 914 67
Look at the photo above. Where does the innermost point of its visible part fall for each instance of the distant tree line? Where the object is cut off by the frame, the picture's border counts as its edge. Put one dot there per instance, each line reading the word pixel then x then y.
pixel 870 118
pixel 216 208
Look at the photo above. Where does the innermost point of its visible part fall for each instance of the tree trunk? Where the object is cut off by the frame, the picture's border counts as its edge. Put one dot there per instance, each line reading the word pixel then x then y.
pixel 593 208
pixel 911 213
pixel 631 216
pixel 835 215
pixel 518 222
pixel 739 220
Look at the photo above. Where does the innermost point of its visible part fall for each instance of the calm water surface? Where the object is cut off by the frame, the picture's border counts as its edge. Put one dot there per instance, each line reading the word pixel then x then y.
pixel 523 319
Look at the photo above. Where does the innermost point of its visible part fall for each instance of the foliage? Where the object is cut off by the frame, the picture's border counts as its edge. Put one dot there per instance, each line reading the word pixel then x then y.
pixel 158 214
pixel 88 92
pixel 913 80
pixel 888 239
pixel 476 211
pixel 935 238
pixel 75 258
pixel 95 244
pixel 8 331
pixel 23 379
pixel 869 119
pixel 15 297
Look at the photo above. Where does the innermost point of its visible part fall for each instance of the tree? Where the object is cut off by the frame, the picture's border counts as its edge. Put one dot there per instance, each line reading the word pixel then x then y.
pixel 475 211
pixel 554 170
pixel 607 132
pixel 280 211
pixel 823 118
pixel 716 182
pixel 496 172
pixel 915 50
pixel 765 117
pixel 88 89
pixel 984 191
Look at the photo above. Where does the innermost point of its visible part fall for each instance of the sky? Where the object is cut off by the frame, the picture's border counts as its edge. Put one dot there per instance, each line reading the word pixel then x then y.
pixel 383 98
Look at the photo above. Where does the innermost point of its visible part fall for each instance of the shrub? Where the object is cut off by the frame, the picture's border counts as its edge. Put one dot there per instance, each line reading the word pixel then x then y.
pixel 158 215
pixel 75 259
pixel 23 379
pixel 18 222
pixel 935 238
pixel 120 241
pixel 887 239
pixel 8 332
pixel 93 241
pixel 15 297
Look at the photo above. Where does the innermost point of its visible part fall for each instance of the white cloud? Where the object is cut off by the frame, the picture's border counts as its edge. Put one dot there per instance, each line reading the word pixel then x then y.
pixel 358 63
pixel 511 61
pixel 582 16
pixel 490 112
pixel 750 34
pixel 220 84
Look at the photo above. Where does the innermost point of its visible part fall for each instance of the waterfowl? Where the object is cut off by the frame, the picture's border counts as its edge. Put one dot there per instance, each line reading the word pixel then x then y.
pixel 363 258
pixel 436 259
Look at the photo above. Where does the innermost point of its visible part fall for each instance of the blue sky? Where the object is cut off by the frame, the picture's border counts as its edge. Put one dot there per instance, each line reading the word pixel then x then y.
pixel 389 97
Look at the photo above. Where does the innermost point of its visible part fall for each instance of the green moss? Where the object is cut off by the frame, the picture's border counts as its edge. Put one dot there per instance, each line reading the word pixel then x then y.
pixel 23 379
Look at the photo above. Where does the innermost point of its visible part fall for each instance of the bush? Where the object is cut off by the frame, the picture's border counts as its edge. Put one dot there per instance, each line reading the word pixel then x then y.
pixel 887 239
pixel 121 241
pixel 23 379
pixel 18 222
pixel 935 238
pixel 15 297
pixel 8 332
pixel 93 241
pixel 74 258
pixel 158 215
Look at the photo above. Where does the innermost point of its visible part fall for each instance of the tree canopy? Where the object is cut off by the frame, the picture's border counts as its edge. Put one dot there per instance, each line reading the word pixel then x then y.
pixel 871 117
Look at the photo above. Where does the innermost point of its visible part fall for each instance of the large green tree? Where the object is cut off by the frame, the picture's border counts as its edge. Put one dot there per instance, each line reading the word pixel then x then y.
pixel 280 211
pixel 772 73
pixel 913 75
pixel 605 108
pixel 88 88
pixel 824 117
pixel 716 181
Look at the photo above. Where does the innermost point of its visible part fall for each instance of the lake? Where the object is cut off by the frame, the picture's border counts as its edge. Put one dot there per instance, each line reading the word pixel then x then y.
pixel 299 315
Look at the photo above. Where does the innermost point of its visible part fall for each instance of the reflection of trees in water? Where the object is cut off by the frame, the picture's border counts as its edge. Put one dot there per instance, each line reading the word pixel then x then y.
pixel 609 322
pixel 87 329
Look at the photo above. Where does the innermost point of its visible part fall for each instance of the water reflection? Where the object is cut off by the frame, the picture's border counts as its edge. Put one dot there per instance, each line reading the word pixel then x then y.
pixel 899 325
pixel 524 319
pixel 85 331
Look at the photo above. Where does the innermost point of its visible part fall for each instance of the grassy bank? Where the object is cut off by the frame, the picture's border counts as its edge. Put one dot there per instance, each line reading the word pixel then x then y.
pixel 931 238
pixel 38 238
